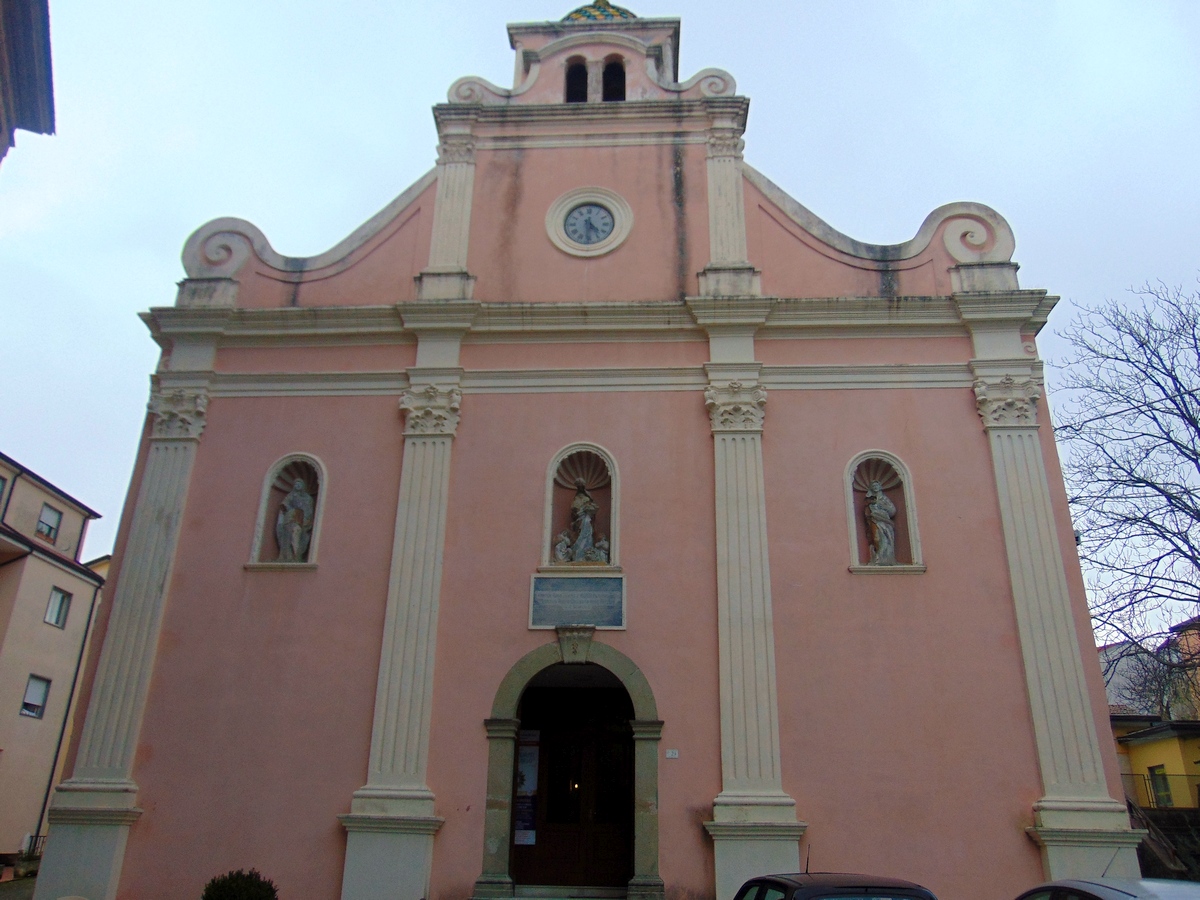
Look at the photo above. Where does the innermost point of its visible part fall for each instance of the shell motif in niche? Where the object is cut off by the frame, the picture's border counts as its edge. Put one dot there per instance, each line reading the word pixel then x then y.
pixel 298 468
pixel 588 466
pixel 875 470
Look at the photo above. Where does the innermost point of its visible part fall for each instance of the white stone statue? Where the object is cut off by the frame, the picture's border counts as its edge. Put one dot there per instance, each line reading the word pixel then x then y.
pixel 879 512
pixel 583 514
pixel 293 525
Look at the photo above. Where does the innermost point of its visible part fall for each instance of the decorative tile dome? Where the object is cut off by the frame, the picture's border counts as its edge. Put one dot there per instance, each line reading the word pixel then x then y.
pixel 598 10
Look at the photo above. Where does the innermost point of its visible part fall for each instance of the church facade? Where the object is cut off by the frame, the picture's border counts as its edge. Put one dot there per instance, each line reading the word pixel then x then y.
pixel 594 521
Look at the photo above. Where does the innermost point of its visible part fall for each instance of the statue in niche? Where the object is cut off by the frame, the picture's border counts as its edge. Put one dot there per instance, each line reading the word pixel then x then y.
pixel 880 514
pixel 582 472
pixel 562 547
pixel 583 515
pixel 294 523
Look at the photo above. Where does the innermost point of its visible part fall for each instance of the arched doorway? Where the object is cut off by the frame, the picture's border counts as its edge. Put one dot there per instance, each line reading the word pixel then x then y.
pixel 620 686
pixel 573 784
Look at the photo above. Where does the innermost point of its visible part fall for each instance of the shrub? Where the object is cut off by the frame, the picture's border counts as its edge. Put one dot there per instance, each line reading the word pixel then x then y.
pixel 240 885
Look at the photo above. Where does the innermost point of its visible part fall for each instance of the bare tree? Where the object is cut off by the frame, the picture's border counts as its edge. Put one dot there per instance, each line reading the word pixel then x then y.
pixel 1129 423
pixel 1158 682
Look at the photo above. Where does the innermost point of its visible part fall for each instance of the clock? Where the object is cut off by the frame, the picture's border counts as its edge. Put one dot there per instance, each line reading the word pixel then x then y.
pixel 588 223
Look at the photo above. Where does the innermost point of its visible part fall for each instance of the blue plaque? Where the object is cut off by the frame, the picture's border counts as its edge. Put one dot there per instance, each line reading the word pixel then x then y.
pixel 577 600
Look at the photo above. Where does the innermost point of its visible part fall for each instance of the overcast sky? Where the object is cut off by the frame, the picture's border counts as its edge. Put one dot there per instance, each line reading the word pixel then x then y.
pixel 1079 122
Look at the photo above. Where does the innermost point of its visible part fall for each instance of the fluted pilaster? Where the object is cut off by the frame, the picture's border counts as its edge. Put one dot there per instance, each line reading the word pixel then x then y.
pixel 92 811
pixel 446 277
pixel 1081 828
pixel 391 822
pixel 754 821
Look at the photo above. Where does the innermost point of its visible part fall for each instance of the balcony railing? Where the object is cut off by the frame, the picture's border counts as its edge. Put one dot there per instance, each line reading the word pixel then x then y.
pixel 1163 791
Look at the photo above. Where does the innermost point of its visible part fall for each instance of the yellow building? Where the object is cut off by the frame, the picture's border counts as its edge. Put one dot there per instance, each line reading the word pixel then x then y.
pixel 47 604
pixel 1163 764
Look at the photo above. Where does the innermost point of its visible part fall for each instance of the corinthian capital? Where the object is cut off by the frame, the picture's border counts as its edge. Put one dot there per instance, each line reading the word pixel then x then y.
pixel 1007 402
pixel 431 410
pixel 456 148
pixel 725 142
pixel 734 406
pixel 178 412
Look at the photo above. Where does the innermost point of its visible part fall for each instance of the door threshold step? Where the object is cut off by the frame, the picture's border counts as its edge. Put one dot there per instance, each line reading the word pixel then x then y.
pixel 568 892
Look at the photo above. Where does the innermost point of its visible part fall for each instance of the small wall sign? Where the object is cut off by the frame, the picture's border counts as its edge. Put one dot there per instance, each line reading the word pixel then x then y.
pixel 577 600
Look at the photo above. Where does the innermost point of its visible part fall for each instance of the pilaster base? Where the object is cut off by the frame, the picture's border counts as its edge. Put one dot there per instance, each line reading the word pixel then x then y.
pixel 730 281
pixel 753 834
pixel 388 857
pixel 1085 838
pixel 492 887
pixel 84 852
pixel 645 887
pixel 452 284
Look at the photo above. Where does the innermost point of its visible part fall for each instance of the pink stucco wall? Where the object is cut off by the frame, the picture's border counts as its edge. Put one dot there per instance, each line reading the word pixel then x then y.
pixel 665 184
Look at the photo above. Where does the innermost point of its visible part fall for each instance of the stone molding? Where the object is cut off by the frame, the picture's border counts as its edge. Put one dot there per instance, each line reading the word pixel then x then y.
pixel 1008 402
pixel 789 318
pixel 178 413
pixel 431 411
pixel 756 831
pixel 392 824
pixel 91 815
pixel 736 407
pixel 538 381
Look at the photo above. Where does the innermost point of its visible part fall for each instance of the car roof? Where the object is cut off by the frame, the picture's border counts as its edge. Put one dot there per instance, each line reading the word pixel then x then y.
pixel 1141 888
pixel 843 880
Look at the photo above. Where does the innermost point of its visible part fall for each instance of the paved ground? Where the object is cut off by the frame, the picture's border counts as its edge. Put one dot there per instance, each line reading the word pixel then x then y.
pixel 21 889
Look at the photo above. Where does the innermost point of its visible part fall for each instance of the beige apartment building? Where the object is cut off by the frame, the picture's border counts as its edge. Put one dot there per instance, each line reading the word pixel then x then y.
pixel 47 603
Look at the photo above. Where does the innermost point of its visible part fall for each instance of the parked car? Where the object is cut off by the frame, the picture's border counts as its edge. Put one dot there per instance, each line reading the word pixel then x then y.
pixel 830 885
pixel 1114 889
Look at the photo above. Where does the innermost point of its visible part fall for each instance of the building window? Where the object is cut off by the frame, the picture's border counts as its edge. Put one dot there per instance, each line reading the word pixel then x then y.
pixel 49 522
pixel 36 692
pixel 614 80
pixel 1161 786
pixel 577 80
pixel 3 485
pixel 57 609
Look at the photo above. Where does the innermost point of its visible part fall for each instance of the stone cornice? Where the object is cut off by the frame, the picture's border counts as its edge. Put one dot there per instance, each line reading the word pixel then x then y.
pixel 643 320
pixel 683 115
pixel 518 381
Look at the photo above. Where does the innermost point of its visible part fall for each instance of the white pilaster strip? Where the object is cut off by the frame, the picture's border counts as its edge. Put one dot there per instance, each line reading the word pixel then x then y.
pixel 389 848
pixel 754 825
pixel 1081 829
pixel 728 272
pixel 446 277
pixel 92 811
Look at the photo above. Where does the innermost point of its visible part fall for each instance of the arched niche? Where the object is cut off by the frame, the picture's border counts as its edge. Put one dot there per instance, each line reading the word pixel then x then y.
pixel 574 646
pixel 882 515
pixel 288 528
pixel 564 525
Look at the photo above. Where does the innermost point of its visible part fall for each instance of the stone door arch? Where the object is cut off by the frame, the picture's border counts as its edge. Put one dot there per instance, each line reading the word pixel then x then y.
pixel 574 645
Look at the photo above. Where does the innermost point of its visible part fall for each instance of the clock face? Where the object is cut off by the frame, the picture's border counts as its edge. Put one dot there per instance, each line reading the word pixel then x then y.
pixel 588 223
